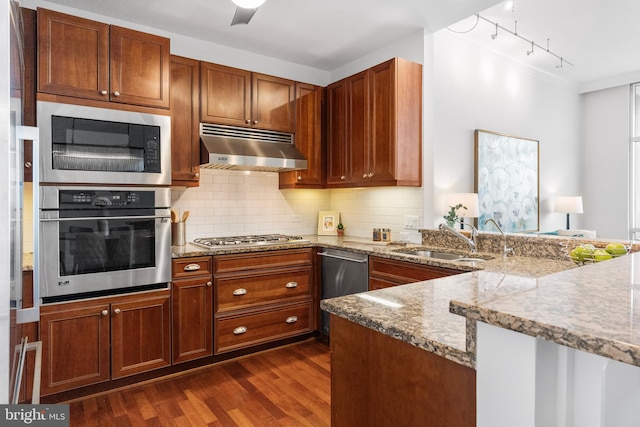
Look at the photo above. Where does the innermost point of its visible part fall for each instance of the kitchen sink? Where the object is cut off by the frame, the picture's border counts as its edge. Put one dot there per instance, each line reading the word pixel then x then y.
pixel 433 254
pixel 448 256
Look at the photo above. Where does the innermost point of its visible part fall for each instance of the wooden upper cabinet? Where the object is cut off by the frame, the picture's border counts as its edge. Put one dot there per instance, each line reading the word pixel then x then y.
pixel 273 103
pixel 337 133
pixel 139 68
pixel 395 138
pixel 231 96
pixel 185 115
pixel 309 141
pixel 87 59
pixel 375 127
pixel 225 95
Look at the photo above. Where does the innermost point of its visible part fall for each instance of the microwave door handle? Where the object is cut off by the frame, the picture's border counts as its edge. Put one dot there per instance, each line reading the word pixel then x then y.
pixel 88 218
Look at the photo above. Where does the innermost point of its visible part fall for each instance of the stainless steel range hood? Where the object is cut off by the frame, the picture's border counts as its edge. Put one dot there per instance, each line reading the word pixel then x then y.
pixel 229 147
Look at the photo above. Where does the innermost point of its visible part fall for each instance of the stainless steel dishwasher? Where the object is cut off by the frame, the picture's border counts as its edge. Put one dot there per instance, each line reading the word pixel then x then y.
pixel 343 273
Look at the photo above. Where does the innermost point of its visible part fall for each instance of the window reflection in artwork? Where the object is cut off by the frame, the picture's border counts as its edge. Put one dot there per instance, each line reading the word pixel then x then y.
pixel 507 181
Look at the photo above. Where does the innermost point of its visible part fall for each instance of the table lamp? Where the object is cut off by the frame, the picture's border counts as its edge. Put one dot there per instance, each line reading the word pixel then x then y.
pixel 568 205
pixel 468 200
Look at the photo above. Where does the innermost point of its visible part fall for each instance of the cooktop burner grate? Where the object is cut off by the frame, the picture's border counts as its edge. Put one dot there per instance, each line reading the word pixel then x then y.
pixel 250 240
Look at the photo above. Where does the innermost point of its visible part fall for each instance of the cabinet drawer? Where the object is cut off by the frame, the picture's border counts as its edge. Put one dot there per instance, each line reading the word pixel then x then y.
pixel 189 267
pixel 253 261
pixel 406 272
pixel 239 331
pixel 248 290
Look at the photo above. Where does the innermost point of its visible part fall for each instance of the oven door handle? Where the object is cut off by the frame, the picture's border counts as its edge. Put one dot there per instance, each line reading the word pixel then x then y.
pixel 104 217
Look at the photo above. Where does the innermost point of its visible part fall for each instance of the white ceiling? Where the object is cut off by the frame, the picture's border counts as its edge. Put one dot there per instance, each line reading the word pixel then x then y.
pixel 599 37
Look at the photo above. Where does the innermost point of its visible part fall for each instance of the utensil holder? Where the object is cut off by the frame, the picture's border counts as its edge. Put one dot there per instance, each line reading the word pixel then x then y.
pixel 178 233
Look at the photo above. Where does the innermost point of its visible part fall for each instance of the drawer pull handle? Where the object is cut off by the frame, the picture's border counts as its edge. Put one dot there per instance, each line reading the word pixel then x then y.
pixel 291 285
pixel 209 283
pixel 292 319
pixel 192 267
pixel 104 312
pixel 240 330
pixel 239 292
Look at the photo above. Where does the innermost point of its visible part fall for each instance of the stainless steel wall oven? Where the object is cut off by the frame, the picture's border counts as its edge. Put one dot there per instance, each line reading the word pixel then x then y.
pixel 89 145
pixel 98 241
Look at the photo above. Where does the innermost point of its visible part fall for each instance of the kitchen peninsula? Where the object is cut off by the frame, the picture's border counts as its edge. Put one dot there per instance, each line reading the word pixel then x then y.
pixel 548 348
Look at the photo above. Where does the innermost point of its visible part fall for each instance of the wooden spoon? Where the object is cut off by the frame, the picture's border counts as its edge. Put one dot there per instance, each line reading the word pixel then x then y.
pixel 185 215
pixel 174 216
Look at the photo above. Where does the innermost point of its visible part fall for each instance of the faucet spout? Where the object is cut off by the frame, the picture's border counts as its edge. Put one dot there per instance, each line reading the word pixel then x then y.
pixel 469 241
pixel 506 250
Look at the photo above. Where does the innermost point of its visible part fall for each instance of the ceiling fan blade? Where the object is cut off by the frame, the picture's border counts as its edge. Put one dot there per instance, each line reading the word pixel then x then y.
pixel 243 15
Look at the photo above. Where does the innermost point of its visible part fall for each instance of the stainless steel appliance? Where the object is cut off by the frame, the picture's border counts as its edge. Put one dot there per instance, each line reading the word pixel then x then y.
pixel 103 146
pixel 343 273
pixel 251 240
pixel 230 147
pixel 95 241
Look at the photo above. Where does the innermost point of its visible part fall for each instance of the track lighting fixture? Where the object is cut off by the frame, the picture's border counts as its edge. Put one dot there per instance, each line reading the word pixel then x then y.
pixel 533 44
pixel 530 52
pixel 493 36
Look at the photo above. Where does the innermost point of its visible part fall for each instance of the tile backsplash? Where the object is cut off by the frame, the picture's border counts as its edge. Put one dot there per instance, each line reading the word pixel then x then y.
pixel 235 203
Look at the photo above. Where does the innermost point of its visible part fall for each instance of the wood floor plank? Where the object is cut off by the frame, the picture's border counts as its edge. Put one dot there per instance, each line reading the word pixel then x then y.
pixel 284 387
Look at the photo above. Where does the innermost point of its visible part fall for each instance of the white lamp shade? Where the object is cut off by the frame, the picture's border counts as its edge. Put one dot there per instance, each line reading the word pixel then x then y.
pixel 248 4
pixel 469 200
pixel 568 204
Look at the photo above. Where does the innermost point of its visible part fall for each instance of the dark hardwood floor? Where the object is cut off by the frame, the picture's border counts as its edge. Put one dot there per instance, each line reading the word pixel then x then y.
pixel 287 386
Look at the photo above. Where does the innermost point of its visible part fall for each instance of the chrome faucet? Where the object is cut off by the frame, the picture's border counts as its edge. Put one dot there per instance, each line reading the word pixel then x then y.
pixel 506 250
pixel 469 241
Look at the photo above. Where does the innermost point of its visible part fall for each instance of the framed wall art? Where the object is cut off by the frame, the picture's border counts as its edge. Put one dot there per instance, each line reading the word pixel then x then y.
pixel 327 222
pixel 507 181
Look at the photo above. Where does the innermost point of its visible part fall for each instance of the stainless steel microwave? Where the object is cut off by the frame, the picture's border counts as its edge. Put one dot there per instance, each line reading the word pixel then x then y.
pixel 89 145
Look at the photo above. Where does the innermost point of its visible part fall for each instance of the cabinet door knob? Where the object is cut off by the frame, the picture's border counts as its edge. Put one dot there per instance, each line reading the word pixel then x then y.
pixel 255 122
pixel 248 121
pixel 104 312
pixel 103 92
pixel 116 311
pixel 197 174
pixel 192 267
pixel 291 285
pixel 116 93
pixel 27 165
pixel 240 330
pixel 209 283
pixel 299 178
pixel 343 177
pixel 364 175
pixel 370 175
pixel 239 292
pixel 292 319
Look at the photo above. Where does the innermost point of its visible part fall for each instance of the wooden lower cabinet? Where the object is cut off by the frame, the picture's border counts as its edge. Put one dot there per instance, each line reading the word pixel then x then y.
pixel 237 330
pixel 385 272
pixel 377 380
pixel 262 297
pixel 89 342
pixel 192 315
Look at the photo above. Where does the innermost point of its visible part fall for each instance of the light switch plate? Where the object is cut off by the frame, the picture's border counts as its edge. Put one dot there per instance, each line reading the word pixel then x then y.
pixel 411 222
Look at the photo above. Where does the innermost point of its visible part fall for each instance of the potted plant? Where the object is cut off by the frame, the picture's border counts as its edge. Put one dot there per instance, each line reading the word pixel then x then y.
pixel 452 216
pixel 340 230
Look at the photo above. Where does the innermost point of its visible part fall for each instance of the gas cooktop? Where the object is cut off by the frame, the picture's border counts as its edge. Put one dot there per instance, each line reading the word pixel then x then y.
pixel 251 240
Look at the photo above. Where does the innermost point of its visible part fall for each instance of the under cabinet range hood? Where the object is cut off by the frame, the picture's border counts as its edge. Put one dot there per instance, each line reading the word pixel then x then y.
pixel 229 147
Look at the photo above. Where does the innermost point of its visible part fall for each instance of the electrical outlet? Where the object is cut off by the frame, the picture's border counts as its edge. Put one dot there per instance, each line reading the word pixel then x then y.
pixel 411 222
pixel 295 218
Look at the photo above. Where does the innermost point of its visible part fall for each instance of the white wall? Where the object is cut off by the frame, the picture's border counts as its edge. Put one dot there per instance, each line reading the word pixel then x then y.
pixel 474 88
pixel 605 156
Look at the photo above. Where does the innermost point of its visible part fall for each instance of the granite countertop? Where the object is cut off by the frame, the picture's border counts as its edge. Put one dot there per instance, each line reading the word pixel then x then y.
pixel 417 313
pixel 595 308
